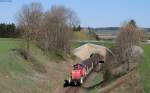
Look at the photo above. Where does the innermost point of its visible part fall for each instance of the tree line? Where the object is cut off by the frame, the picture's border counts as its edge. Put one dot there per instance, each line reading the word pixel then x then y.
pixel 9 30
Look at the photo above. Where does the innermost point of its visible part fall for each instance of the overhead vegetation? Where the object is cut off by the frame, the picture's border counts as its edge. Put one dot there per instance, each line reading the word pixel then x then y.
pixel 50 30
pixel 126 51
pixel 29 18
pixel 130 35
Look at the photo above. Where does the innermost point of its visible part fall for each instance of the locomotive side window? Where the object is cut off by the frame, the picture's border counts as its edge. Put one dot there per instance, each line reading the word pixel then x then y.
pixel 75 67
pixel 78 66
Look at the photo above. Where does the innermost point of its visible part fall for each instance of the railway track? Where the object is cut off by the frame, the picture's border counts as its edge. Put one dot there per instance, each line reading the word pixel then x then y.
pixel 72 90
pixel 85 87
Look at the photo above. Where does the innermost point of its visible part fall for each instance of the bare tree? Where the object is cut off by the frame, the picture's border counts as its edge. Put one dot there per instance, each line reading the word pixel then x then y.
pixel 126 51
pixel 51 30
pixel 29 18
pixel 128 37
pixel 56 30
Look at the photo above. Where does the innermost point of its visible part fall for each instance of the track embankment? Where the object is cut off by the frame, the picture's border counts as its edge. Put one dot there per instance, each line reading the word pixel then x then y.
pixel 129 83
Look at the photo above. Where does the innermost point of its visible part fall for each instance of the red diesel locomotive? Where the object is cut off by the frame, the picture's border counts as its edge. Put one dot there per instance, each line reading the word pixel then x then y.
pixel 81 70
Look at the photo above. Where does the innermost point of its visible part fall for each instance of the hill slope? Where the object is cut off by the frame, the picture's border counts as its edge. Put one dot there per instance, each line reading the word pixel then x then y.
pixel 18 75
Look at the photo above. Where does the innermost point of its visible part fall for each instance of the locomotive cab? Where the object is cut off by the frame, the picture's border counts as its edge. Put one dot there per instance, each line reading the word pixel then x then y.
pixel 81 70
pixel 78 71
pixel 77 74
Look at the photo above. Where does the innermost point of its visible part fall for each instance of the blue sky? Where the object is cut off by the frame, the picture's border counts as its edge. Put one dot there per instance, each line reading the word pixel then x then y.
pixel 95 13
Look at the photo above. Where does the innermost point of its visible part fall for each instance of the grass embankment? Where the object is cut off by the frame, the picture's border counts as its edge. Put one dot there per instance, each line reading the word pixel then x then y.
pixel 12 67
pixel 8 61
pixel 145 68
pixel 11 61
pixel 18 75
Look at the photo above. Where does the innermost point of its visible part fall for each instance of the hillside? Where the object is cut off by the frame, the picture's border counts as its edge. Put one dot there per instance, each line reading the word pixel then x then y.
pixel 129 83
pixel 45 75
pixel 18 75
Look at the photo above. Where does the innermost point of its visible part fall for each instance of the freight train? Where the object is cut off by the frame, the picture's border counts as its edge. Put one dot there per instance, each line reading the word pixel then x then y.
pixel 81 70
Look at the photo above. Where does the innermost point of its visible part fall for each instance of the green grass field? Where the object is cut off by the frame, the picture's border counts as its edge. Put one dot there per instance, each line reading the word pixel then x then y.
pixel 10 62
pixel 7 44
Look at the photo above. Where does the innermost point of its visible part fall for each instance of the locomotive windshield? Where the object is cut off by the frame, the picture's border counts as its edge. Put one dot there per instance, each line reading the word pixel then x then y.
pixel 78 66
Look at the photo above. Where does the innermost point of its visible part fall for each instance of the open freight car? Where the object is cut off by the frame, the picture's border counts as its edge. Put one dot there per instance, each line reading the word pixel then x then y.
pixel 81 70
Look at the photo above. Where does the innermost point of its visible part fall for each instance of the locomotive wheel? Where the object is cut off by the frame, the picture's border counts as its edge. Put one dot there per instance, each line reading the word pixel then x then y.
pixel 66 84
